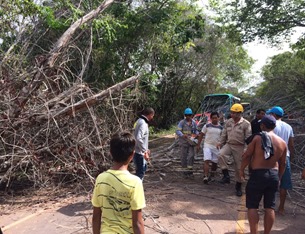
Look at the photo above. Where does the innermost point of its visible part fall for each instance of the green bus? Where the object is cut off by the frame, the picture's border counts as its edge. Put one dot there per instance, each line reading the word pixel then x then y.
pixel 220 102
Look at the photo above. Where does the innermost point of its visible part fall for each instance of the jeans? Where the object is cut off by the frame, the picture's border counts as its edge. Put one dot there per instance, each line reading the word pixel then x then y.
pixel 140 164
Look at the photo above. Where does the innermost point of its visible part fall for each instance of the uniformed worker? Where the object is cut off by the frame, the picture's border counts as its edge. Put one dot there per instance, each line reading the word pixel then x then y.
pixel 232 140
pixel 187 132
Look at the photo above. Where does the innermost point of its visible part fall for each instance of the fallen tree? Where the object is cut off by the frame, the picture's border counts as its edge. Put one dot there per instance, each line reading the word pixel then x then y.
pixel 54 128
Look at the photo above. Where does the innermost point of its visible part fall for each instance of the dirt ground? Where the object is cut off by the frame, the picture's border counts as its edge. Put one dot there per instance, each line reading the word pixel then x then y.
pixel 174 204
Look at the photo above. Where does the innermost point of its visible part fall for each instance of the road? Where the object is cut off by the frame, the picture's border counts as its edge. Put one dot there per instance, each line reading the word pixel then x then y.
pixel 175 205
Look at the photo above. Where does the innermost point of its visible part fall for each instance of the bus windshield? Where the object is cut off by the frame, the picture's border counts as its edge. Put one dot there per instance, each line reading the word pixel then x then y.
pixel 215 103
pixel 218 102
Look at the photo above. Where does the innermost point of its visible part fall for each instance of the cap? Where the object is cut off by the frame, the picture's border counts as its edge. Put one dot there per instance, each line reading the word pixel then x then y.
pixel 276 110
pixel 269 121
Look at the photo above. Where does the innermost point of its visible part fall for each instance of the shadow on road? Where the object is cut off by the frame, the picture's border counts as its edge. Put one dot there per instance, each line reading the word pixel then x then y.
pixel 76 209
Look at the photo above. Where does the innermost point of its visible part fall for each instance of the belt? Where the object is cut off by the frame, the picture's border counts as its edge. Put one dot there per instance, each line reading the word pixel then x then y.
pixel 236 144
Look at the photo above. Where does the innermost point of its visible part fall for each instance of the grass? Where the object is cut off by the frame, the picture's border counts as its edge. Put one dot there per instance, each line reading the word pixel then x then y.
pixel 161 132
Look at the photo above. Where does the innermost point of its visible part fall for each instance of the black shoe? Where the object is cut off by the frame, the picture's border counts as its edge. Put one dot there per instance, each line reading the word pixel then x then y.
pixel 225 180
pixel 239 193
pixel 188 174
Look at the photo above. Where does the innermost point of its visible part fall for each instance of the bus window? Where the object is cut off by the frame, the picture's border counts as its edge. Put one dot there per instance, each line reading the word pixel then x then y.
pixel 220 103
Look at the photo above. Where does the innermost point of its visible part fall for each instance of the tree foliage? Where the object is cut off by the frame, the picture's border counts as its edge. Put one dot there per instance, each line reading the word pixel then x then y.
pixel 284 83
pixel 59 58
pixel 263 19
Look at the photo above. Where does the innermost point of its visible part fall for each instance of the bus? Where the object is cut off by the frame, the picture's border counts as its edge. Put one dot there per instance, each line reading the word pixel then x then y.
pixel 221 103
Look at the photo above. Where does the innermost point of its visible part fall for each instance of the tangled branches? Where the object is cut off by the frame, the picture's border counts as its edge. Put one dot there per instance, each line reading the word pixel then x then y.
pixel 53 126
pixel 59 136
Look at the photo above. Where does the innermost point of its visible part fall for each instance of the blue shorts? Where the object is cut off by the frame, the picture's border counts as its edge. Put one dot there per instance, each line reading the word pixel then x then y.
pixel 286 182
pixel 262 182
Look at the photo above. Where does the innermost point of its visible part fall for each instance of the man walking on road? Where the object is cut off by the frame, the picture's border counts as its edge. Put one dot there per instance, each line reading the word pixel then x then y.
pixel 236 131
pixel 211 132
pixel 284 131
pixel 266 155
pixel 141 134
pixel 186 132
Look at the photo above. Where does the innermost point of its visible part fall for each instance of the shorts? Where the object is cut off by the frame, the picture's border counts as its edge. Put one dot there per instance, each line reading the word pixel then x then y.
pixel 286 182
pixel 262 182
pixel 211 154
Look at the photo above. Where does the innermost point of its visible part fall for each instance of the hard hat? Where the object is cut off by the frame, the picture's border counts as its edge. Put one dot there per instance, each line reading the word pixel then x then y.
pixel 237 108
pixel 188 111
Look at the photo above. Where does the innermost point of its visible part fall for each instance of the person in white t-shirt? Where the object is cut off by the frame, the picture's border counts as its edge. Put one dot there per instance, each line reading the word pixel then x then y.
pixel 285 131
pixel 212 132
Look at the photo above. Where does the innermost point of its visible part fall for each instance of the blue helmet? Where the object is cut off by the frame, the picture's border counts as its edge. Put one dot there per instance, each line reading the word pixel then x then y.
pixel 188 111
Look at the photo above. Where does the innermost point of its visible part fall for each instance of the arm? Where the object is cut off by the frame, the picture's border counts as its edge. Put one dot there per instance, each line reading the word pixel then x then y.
pixel 200 137
pixel 223 137
pixel 137 222
pixel 248 131
pixel 247 155
pixel 139 135
pixel 282 163
pixel 96 220
pixel 179 129
pixel 291 148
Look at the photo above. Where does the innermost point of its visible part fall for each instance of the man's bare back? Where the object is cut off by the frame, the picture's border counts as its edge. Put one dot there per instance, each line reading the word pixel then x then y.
pixel 266 173
pixel 255 155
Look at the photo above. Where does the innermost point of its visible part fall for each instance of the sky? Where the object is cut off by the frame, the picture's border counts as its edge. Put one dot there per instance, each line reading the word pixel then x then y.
pixel 260 52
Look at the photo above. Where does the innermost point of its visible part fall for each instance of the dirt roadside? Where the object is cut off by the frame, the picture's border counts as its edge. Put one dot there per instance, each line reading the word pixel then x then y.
pixel 174 204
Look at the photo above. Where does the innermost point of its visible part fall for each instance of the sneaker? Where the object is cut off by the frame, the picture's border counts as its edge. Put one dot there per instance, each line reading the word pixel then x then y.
pixel 206 180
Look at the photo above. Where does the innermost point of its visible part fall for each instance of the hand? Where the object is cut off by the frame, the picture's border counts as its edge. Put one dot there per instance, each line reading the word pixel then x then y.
pixel 218 146
pixel 146 155
pixel 242 175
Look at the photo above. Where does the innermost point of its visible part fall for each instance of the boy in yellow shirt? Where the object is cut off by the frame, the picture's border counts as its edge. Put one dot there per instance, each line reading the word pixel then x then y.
pixel 118 196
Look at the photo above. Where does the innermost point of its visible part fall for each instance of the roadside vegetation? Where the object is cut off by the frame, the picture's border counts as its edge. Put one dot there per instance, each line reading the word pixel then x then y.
pixel 74 72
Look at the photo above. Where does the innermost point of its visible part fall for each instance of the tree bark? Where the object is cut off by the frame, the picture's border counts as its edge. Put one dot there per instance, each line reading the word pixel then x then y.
pixel 90 101
pixel 46 64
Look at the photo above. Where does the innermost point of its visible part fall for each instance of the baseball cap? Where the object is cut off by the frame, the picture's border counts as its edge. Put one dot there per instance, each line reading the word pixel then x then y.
pixel 276 110
pixel 269 121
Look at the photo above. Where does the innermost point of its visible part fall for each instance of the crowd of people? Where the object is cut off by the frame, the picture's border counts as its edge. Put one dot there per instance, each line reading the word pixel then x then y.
pixel 264 146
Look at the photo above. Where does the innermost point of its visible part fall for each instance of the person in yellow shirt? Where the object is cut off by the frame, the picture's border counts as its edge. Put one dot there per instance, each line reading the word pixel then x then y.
pixel 118 196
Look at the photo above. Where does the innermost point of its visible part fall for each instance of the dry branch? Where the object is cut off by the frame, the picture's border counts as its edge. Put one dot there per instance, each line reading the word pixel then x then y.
pixel 85 103
pixel 36 143
pixel 45 67
pixel 66 37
